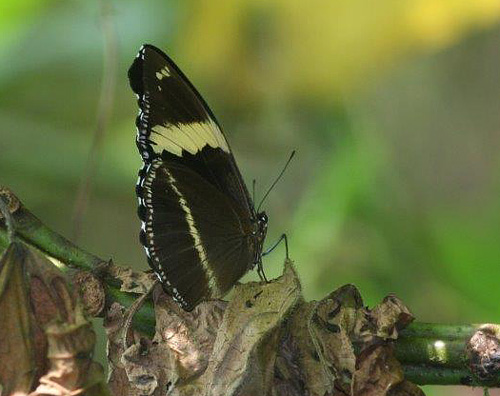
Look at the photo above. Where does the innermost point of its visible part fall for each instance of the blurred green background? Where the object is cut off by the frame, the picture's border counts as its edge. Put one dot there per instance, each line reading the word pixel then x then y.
pixel 392 106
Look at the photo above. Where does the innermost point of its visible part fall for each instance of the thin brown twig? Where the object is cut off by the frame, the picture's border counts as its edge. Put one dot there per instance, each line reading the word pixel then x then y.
pixel 104 109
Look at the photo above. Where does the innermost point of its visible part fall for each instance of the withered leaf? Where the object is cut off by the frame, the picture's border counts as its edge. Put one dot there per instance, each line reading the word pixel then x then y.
pixel 132 281
pixel 377 371
pixel 179 350
pixel 17 364
pixel 335 320
pixel 391 316
pixel 301 358
pixel 189 335
pixel 72 370
pixel 317 355
pixel 266 340
pixel 244 354
pixel 39 308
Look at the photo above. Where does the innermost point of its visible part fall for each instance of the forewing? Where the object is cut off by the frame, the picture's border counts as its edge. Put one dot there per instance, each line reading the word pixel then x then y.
pixel 175 123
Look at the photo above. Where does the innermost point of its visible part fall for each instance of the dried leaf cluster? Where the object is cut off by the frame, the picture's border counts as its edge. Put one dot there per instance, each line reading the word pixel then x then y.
pixel 266 341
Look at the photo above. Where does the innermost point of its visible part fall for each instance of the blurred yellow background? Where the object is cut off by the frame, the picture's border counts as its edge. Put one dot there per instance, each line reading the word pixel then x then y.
pixel 392 106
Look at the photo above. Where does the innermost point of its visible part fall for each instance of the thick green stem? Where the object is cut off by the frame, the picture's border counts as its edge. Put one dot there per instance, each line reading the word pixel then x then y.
pixel 30 230
pixel 431 375
pixel 436 354
pixel 437 330
pixel 144 319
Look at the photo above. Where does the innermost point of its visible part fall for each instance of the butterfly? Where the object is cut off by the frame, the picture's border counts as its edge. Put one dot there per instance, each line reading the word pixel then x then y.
pixel 200 229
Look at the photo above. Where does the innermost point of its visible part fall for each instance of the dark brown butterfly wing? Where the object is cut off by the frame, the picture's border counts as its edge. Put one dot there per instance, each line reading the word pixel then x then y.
pixel 197 241
pixel 176 124
pixel 198 221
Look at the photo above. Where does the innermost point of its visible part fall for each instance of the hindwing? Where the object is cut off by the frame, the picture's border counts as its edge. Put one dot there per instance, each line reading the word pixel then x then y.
pixel 196 240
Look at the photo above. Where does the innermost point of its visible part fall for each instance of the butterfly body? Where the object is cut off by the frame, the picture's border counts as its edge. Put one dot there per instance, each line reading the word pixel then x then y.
pixel 200 229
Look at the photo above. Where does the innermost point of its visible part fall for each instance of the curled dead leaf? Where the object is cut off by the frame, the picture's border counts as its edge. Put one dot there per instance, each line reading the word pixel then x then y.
pixel 377 371
pixel 390 317
pixel 71 344
pixel 45 336
pixel 483 352
pixel 131 281
pixel 326 348
pixel 17 346
pixel 91 291
pixel 218 348
pixel 244 354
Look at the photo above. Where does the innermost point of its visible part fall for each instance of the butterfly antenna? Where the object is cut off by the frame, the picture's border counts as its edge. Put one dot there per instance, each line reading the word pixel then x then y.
pixel 275 181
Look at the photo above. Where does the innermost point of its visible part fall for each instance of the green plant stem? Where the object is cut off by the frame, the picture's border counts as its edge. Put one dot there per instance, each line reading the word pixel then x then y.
pixel 144 319
pixel 430 375
pixel 436 354
pixel 30 230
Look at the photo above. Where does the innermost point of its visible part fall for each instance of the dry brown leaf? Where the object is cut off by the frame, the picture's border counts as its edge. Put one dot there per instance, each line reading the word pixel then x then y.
pixel 301 364
pixel 71 345
pixel 266 341
pixel 216 349
pixel 190 336
pixel 52 336
pixel 17 364
pixel 390 316
pixel 333 329
pixel 113 323
pixel 318 354
pixel 131 281
pixel 180 349
pixel 243 358
pixel 377 371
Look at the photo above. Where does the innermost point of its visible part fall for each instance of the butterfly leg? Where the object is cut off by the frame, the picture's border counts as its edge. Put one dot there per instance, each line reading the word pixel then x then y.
pixel 283 237
pixel 260 271
pixel 260 268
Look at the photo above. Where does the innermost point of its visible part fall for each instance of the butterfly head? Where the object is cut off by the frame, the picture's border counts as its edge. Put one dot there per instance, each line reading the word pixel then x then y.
pixel 259 235
pixel 262 221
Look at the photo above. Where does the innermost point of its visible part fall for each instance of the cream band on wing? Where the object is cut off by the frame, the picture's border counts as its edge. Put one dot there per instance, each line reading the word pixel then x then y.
pixel 198 244
pixel 189 137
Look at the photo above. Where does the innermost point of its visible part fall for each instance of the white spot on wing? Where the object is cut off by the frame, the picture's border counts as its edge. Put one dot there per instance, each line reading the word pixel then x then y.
pixel 163 73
